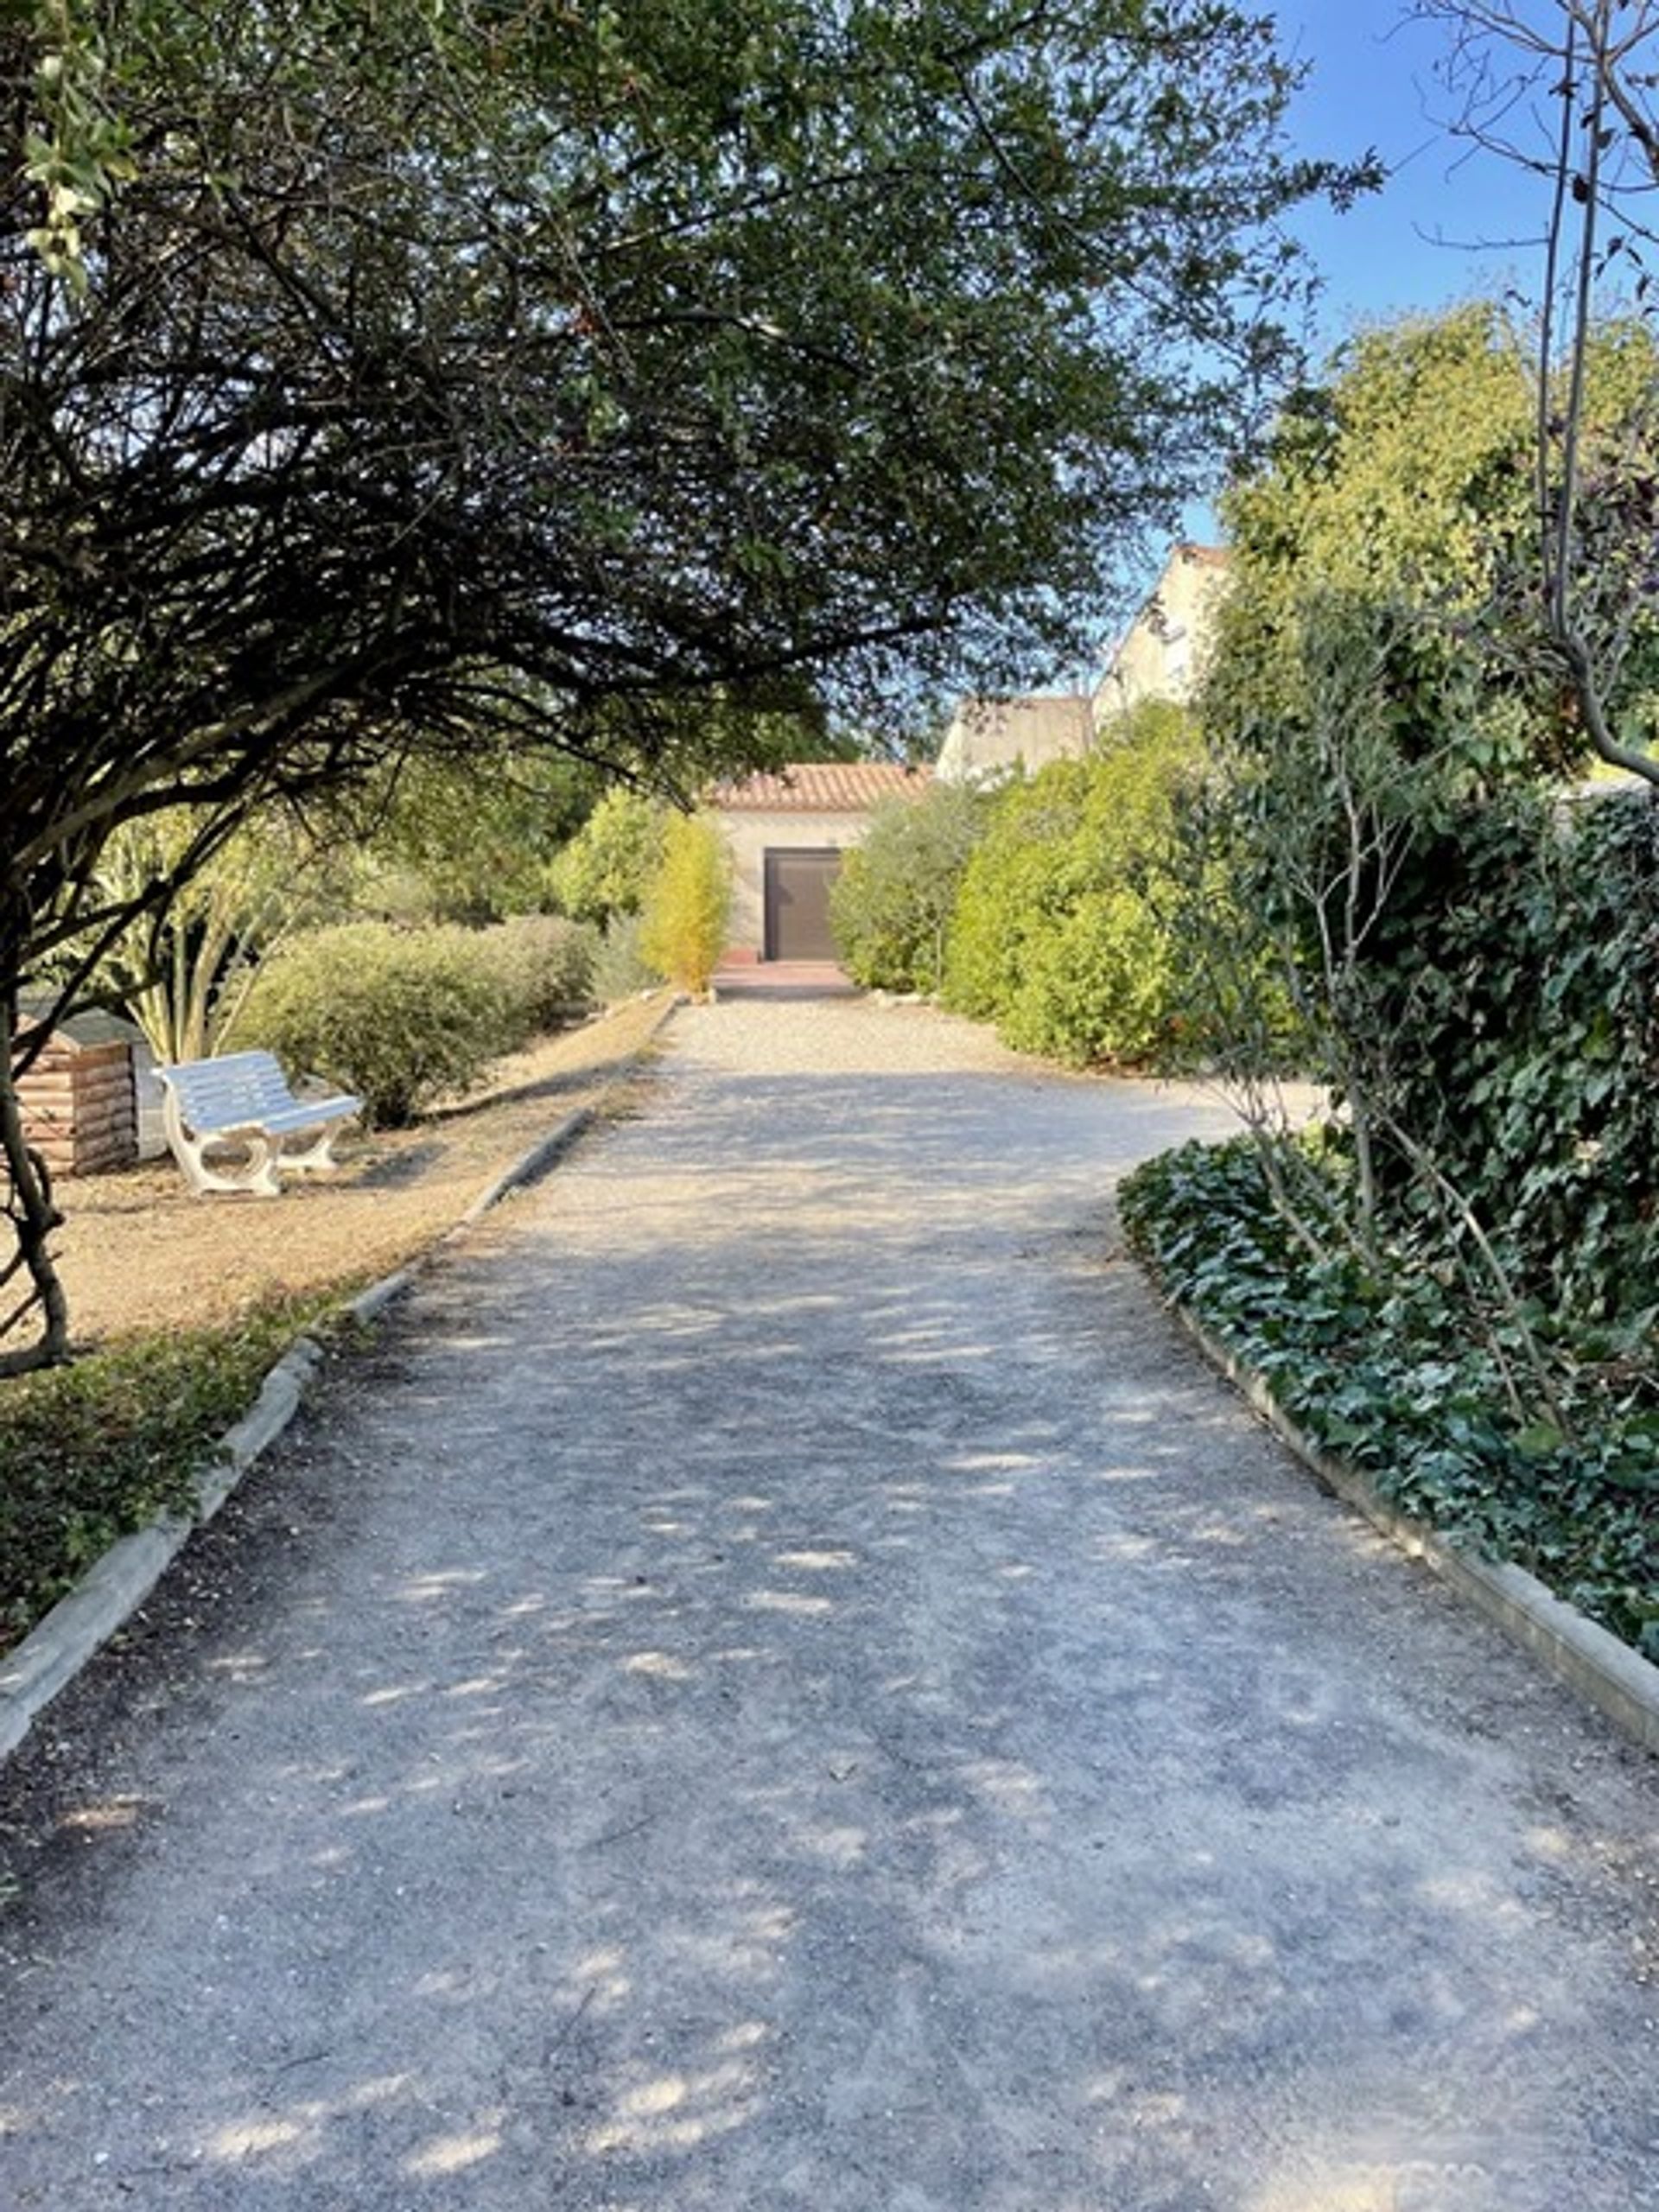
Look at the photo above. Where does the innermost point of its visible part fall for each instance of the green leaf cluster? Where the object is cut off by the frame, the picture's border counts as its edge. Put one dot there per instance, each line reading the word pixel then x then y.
pixel 1404 489
pixel 893 904
pixel 1383 1370
pixel 1058 936
pixel 1515 969
pixel 606 868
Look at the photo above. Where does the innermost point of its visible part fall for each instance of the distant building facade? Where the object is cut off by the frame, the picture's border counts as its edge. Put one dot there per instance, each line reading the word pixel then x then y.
pixel 786 832
pixel 990 737
pixel 1162 654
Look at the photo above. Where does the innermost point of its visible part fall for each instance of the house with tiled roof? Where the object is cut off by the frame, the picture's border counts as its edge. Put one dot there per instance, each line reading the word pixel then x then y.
pixel 787 829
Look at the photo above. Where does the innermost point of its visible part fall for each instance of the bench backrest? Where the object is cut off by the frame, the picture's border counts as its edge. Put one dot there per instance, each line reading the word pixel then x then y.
pixel 237 1087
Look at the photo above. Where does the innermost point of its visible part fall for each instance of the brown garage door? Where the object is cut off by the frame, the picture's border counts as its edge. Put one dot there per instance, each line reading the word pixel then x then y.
pixel 798 904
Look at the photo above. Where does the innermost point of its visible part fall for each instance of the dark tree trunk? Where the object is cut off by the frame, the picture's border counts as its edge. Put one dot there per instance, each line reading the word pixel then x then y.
pixel 31 1294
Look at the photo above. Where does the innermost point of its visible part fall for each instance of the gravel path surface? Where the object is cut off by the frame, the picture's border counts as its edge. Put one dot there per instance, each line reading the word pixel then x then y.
pixel 783 1683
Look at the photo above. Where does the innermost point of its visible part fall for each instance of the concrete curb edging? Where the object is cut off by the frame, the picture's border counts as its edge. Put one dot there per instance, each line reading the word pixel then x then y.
pixel 1619 1681
pixel 118 1583
pixel 525 1168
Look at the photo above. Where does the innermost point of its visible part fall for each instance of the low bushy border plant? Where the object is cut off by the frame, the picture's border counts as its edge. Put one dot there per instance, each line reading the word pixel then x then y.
pixel 396 1016
pixel 545 966
pixel 1383 1370
pixel 96 1450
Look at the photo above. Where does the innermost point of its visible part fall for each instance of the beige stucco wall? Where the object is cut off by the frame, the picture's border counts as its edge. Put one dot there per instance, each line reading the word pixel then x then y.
pixel 751 835
pixel 1162 655
pixel 990 737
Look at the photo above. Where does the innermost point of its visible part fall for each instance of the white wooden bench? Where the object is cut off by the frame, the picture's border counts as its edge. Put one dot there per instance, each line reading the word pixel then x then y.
pixel 241 1104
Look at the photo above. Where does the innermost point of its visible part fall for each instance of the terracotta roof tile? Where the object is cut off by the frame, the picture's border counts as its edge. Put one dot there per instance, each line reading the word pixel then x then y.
pixel 821 787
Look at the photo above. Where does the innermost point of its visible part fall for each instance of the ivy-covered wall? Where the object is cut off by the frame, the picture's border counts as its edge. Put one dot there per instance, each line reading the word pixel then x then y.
pixel 1520 951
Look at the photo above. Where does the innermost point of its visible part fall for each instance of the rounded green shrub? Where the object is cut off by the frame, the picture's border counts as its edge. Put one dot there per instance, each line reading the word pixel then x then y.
pixel 893 902
pixel 544 964
pixel 1058 936
pixel 396 1016
pixel 609 865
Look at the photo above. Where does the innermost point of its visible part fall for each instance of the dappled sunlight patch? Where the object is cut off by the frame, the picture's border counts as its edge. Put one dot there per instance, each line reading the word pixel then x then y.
pixel 606 1589
pixel 456 1985
pixel 427 1589
pixel 907 1498
pixel 822 1562
pixel 396 1694
pixel 789 1601
pixel 662 1666
pixel 454 2154
pixel 1472 1892
pixel 1013 1790
pixel 1156 2108
pixel 749 1946
pixel 599 1981
pixel 534 1601
pixel 842 1847
pixel 255 2138
pixel 1367 2186
pixel 932 1353
pixel 378 2090
pixel 679 2111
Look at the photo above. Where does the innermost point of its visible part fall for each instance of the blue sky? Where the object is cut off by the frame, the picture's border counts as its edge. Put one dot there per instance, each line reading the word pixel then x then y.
pixel 1451 223
pixel 1413 245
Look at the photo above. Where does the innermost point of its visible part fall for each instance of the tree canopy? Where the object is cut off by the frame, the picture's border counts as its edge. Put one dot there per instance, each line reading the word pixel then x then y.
pixel 1398 501
pixel 431 373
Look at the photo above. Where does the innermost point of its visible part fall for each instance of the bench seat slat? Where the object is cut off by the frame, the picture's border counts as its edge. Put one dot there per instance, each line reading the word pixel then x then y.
pixel 275 1121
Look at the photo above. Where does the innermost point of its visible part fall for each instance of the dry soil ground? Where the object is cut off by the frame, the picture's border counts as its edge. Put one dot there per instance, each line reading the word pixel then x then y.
pixel 139 1252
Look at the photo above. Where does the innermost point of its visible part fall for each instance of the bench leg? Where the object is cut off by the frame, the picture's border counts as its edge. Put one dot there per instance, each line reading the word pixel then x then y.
pixel 318 1155
pixel 257 1173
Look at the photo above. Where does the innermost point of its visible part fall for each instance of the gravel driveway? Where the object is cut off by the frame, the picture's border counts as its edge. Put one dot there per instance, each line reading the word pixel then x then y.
pixel 783 1683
